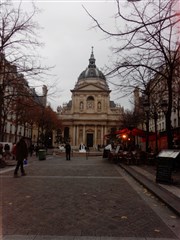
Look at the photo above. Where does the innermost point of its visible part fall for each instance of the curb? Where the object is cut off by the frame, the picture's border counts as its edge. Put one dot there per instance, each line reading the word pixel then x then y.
pixel 167 197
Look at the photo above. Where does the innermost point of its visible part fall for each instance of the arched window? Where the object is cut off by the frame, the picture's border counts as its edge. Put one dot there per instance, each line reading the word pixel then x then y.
pixel 99 106
pixel 81 106
pixel 90 102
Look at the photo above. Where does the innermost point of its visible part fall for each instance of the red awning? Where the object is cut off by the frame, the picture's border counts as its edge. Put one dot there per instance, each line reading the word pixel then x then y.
pixel 134 132
pixel 138 132
pixel 123 131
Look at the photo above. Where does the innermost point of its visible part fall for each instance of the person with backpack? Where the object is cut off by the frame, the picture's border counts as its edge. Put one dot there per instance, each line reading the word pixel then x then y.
pixel 68 151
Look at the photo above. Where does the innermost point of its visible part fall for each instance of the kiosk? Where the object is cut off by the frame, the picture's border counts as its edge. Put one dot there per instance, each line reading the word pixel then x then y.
pixel 165 164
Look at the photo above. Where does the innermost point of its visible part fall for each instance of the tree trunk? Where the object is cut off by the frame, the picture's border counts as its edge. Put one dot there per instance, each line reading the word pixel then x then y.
pixel 169 130
pixel 147 132
pixel 156 133
pixel 168 114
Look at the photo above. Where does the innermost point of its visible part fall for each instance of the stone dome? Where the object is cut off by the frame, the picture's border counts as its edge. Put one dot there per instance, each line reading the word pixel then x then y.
pixel 91 71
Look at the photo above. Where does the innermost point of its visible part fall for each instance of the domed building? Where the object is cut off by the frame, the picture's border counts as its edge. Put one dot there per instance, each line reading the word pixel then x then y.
pixel 90 114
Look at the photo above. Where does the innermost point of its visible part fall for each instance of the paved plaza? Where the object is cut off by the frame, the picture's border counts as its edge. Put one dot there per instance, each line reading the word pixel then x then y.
pixel 79 199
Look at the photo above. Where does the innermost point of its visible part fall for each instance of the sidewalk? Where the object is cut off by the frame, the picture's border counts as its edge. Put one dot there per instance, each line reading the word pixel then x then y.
pixel 10 164
pixel 83 199
pixel 146 175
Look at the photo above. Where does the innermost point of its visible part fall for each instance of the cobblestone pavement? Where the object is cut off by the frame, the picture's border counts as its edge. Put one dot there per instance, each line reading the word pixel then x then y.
pixel 77 199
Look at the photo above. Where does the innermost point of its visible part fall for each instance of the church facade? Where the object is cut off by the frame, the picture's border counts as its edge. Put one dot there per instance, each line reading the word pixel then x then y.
pixel 90 114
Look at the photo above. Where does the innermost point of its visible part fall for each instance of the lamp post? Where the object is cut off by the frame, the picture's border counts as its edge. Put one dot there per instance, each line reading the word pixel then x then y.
pixel 165 109
pixel 146 106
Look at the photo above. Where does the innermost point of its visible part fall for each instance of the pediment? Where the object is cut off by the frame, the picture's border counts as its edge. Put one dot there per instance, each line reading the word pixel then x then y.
pixel 91 87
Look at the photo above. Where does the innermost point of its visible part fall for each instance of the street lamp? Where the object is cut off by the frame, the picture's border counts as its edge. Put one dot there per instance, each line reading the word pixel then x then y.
pixel 146 106
pixel 167 113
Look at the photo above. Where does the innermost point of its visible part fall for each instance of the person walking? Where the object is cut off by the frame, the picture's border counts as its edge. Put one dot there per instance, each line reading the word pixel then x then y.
pixel 21 154
pixel 14 151
pixel 7 153
pixel 68 151
pixel 2 162
pixel 1 151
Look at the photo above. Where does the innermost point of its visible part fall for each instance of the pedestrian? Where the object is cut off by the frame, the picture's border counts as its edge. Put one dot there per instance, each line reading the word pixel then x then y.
pixel 2 162
pixel 31 149
pixel 68 151
pixel 14 151
pixel 7 153
pixel 21 154
pixel 1 150
pixel 37 150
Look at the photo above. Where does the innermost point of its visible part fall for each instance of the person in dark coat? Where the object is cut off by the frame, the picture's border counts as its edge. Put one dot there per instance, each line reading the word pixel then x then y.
pixel 7 153
pixel 1 150
pixel 2 162
pixel 68 151
pixel 14 151
pixel 21 154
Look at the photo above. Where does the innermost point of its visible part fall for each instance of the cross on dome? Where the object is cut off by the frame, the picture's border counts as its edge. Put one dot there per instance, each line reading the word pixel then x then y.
pixel 92 60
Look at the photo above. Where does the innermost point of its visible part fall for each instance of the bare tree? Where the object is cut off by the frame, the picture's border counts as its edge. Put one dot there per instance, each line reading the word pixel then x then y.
pixel 148 46
pixel 19 43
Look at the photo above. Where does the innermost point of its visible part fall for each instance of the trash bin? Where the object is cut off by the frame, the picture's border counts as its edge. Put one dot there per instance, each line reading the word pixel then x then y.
pixel 165 165
pixel 42 154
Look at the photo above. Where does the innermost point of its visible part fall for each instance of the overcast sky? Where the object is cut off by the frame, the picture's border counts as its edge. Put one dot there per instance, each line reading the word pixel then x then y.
pixel 68 35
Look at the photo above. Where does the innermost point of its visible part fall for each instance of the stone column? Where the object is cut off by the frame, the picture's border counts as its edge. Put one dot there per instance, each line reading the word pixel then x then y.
pixel 77 135
pixel 84 137
pixel 102 135
pixel 74 135
pixel 95 135
pixel 105 132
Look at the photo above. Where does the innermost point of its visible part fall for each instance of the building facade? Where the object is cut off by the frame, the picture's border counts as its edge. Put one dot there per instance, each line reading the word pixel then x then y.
pixel 156 115
pixel 16 101
pixel 90 114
